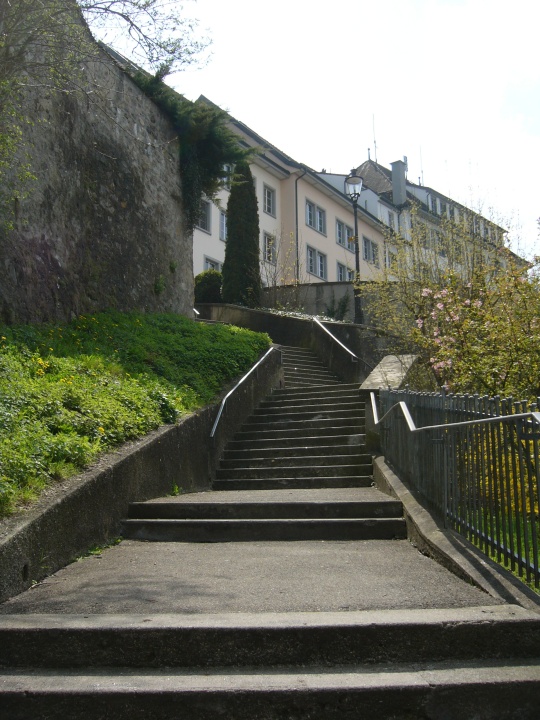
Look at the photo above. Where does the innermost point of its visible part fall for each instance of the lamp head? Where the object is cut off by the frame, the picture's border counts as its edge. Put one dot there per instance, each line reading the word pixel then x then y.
pixel 353 185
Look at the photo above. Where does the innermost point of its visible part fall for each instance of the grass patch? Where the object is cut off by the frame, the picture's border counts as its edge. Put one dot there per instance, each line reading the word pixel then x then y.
pixel 71 392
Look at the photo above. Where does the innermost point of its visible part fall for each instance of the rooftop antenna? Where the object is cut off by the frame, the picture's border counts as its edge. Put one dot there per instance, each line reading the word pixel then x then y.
pixel 374 139
pixel 369 153
pixel 421 168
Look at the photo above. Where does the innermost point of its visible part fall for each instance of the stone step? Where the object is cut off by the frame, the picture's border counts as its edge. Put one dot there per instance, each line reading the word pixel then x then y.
pixel 351 397
pixel 491 691
pixel 315 459
pixel 301 433
pixel 366 637
pixel 315 392
pixel 306 370
pixel 303 362
pixel 291 408
pixel 308 381
pixel 294 482
pixel 261 452
pixel 264 529
pixel 172 510
pixel 305 425
pixel 300 471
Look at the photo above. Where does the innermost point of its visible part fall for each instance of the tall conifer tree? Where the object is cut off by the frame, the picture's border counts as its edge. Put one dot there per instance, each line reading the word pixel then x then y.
pixel 241 268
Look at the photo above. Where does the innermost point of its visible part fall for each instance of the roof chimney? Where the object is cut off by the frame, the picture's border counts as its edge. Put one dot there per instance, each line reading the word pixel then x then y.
pixel 399 187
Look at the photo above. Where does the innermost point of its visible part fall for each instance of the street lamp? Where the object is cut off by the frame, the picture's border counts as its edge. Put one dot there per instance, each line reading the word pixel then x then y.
pixel 353 188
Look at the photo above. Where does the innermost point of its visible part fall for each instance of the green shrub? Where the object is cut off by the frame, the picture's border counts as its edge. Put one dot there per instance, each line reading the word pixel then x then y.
pixel 69 393
pixel 208 287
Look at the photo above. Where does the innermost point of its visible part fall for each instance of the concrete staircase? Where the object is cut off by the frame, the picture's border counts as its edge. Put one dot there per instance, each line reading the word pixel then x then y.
pixel 305 437
pixel 296 471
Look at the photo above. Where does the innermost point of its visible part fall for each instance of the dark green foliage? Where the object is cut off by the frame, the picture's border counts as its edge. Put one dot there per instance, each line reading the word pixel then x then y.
pixel 69 393
pixel 241 268
pixel 206 143
pixel 337 310
pixel 208 287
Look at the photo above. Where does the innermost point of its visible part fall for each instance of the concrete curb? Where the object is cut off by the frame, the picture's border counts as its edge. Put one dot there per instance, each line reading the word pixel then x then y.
pixel 451 550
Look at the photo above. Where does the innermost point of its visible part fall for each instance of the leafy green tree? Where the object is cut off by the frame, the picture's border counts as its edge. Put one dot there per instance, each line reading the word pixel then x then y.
pixel 241 268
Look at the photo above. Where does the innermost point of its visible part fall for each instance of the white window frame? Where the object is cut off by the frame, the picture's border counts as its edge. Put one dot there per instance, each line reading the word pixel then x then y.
pixel 222 226
pixel 390 257
pixel 370 251
pixel 317 263
pixel 316 217
pixel 204 221
pixel 344 235
pixel 310 260
pixel 269 200
pixel 269 248
pixel 227 176
pixel 211 264
pixel 344 273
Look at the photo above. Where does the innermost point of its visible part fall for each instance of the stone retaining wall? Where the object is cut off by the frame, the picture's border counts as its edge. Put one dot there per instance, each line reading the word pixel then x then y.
pixel 102 225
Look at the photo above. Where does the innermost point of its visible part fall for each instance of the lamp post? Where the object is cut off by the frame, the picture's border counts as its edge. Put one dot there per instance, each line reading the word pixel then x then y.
pixel 353 188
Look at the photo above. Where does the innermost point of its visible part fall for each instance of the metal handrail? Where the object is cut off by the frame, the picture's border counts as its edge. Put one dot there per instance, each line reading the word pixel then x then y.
pixel 445 426
pixel 222 406
pixel 326 330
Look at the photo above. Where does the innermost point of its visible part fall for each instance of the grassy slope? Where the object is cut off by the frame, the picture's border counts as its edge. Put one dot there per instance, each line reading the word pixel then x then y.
pixel 69 393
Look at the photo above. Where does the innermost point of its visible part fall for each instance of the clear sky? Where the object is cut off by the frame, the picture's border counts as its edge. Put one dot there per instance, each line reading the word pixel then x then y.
pixel 452 84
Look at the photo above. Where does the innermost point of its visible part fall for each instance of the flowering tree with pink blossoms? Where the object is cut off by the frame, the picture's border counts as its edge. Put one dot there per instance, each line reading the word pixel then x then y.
pixel 484 335
pixel 475 326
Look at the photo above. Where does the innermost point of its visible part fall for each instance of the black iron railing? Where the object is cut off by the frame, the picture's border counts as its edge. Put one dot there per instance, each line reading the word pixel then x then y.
pixel 476 463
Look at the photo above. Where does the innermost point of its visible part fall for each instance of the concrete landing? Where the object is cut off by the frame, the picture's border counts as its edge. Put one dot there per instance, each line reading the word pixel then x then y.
pixel 258 577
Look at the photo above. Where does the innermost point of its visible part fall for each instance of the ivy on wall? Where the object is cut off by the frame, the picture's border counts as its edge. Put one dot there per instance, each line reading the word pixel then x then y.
pixel 206 143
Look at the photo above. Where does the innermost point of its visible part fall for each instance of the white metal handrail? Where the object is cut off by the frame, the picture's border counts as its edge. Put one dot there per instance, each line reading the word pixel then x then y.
pixel 446 426
pixel 326 330
pixel 221 407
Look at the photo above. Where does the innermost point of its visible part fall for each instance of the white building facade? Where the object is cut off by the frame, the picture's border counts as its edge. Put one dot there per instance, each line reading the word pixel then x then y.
pixel 306 223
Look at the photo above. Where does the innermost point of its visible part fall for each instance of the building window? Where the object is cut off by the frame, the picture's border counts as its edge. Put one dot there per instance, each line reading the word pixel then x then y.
pixel 316 263
pixel 344 274
pixel 345 235
pixel 370 251
pixel 311 254
pixel 390 259
pixel 203 223
pixel 391 220
pixel 270 248
pixel 316 217
pixel 269 200
pixel 433 204
pixel 226 177
pixel 210 264
pixel 222 226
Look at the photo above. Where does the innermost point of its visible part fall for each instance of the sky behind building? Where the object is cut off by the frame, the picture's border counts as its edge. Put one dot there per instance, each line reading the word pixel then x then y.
pixel 454 85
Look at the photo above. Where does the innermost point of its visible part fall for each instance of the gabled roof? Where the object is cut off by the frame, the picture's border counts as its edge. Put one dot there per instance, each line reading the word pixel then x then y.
pixel 375 177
